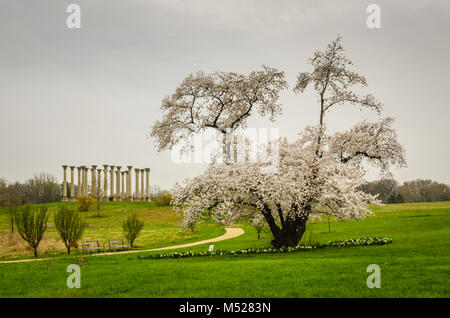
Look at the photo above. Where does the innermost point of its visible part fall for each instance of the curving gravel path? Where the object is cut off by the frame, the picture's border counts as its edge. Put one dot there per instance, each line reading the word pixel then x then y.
pixel 231 232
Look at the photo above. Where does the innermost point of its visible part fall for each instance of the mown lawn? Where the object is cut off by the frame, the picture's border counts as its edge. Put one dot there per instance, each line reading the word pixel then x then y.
pixel 416 264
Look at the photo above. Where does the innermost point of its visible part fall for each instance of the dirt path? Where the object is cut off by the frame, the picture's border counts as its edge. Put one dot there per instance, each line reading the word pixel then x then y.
pixel 231 232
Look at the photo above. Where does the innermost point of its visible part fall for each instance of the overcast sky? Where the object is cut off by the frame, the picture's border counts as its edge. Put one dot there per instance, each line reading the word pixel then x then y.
pixel 90 96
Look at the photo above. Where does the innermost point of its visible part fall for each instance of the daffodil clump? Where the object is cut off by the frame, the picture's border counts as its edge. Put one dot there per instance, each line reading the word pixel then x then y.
pixel 233 252
pixel 363 241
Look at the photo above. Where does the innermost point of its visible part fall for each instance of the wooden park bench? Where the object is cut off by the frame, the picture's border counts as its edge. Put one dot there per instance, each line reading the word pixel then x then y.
pixel 117 244
pixel 87 246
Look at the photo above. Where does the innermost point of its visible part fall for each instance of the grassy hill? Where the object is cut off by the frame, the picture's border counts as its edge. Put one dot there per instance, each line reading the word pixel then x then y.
pixel 416 264
pixel 162 228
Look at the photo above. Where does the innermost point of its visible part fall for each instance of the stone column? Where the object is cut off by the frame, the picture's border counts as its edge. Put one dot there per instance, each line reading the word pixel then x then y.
pixel 99 178
pixel 125 195
pixel 94 180
pixel 142 185
pixel 118 195
pixel 85 189
pixel 105 182
pixel 137 194
pixel 83 180
pixel 147 183
pixel 129 192
pixel 123 184
pixel 64 194
pixel 72 184
pixel 79 182
pixel 111 181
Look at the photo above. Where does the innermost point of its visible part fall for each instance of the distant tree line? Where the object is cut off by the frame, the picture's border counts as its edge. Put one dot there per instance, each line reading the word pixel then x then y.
pixel 390 191
pixel 42 188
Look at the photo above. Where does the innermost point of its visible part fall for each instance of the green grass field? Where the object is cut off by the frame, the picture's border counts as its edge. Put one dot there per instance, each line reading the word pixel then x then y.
pixel 416 264
pixel 162 228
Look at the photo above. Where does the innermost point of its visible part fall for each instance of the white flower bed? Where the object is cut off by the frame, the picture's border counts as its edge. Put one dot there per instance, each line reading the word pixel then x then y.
pixel 363 241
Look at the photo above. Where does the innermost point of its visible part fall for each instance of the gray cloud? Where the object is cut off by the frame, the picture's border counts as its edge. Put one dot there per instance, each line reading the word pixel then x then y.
pixel 89 96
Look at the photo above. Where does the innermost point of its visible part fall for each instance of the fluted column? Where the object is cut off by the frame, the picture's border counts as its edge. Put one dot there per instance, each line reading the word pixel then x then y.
pixel 72 183
pixel 142 185
pixel 137 194
pixel 83 180
pixel 147 183
pixel 127 174
pixel 123 184
pixel 111 181
pixel 129 191
pixel 127 177
pixel 86 182
pixel 99 182
pixel 94 180
pixel 105 181
pixel 119 197
pixel 79 182
pixel 64 194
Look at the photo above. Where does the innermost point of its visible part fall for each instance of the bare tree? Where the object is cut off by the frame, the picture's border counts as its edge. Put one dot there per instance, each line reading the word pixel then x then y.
pixel 384 188
pixel 99 196
pixel 3 185
pixel 424 191
pixel 10 198
pixel 42 188
pixel 258 223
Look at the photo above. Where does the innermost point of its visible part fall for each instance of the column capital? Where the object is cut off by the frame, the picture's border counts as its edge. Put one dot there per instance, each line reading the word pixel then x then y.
pixel 65 166
pixel 142 170
pixel 105 167
pixel 118 168
pixel 147 169
pixel 94 166
pixel 137 169
pixel 122 172
pixel 72 167
pixel 130 167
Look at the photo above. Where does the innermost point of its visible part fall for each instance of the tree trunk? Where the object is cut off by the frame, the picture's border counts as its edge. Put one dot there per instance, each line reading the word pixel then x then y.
pixel 290 235
pixel 291 231
pixel 11 217
pixel 35 252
